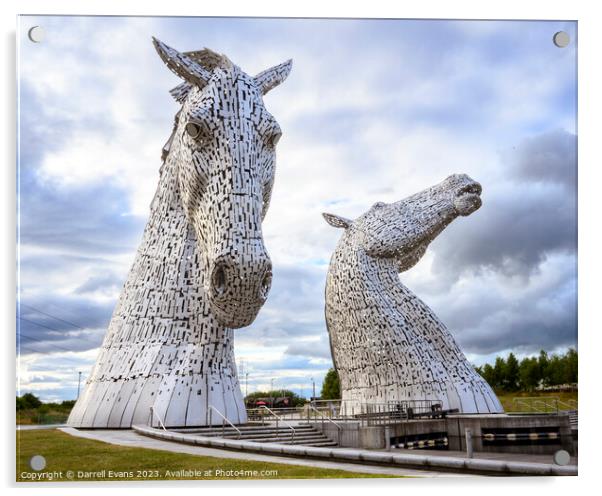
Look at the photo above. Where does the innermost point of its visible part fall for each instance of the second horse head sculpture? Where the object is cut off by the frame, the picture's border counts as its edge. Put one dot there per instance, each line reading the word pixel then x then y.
pixel 388 345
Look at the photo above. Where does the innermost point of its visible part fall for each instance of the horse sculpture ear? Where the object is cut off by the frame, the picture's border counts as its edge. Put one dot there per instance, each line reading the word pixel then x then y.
pixel 336 221
pixel 180 92
pixel 272 77
pixel 182 65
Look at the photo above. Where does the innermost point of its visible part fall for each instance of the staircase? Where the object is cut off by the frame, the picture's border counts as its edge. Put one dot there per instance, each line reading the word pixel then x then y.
pixel 305 435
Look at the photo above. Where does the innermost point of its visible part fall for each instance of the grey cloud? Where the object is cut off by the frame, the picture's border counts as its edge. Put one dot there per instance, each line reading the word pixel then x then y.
pixel 550 157
pixel 525 326
pixel 492 314
pixel 62 323
pixel 86 219
pixel 293 307
pixel 103 282
pixel 43 379
pixel 294 311
pixel 288 363
pixel 50 262
pixel 310 349
pixel 522 222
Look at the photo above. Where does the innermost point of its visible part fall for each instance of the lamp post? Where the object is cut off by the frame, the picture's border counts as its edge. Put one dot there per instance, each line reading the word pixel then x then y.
pixel 79 381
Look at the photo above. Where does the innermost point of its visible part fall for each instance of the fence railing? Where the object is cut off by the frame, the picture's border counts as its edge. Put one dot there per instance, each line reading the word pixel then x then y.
pixel 538 404
pixel 153 414
pixel 224 421
pixel 263 411
pixel 288 413
pixel 398 411
pixel 374 413
pixel 329 420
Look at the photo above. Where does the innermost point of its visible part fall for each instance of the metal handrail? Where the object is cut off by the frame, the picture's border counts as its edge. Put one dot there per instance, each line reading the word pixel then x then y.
pixel 530 405
pixel 539 404
pixel 373 412
pixel 224 420
pixel 278 419
pixel 290 413
pixel 339 428
pixel 154 414
pixel 545 405
pixel 571 404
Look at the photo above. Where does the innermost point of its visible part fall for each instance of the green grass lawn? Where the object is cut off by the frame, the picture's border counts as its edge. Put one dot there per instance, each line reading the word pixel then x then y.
pixel 510 405
pixel 87 460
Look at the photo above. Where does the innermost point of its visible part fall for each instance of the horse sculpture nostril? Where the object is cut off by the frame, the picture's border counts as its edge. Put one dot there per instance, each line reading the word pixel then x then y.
pixel 218 280
pixel 266 283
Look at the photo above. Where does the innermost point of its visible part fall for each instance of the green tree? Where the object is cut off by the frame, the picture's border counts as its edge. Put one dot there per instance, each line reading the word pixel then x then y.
pixel 488 374
pixel 547 370
pixel 556 370
pixel 331 387
pixel 511 371
pixel 499 373
pixel 528 373
pixel 28 401
pixel 543 363
pixel 296 400
pixel 571 366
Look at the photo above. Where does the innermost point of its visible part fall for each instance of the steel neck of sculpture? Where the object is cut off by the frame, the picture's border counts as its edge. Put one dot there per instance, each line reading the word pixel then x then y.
pixel 202 268
pixel 387 344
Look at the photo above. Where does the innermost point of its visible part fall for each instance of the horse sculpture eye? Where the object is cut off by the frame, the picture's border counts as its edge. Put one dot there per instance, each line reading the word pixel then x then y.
pixel 274 138
pixel 197 131
pixel 193 129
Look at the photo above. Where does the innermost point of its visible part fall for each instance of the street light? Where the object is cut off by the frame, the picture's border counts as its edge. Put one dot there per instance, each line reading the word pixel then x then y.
pixel 79 381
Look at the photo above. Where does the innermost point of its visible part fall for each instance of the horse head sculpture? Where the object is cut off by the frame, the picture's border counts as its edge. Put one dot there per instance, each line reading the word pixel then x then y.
pixel 402 231
pixel 388 345
pixel 223 147
pixel 201 269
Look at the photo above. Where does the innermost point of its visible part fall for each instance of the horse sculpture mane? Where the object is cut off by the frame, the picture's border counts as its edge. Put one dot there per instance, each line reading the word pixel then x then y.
pixel 201 269
pixel 387 345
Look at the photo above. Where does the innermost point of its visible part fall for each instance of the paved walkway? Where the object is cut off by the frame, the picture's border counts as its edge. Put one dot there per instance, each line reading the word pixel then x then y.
pixel 130 438
pixel 35 427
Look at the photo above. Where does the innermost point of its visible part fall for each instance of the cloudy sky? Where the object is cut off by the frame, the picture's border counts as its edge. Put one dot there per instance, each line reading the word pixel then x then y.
pixel 372 111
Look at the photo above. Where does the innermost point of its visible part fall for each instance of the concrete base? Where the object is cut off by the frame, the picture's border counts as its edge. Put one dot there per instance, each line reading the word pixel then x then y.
pixel 501 433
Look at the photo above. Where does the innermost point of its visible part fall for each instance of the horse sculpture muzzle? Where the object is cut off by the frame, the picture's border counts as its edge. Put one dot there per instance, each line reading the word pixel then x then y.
pixel 467 196
pixel 235 292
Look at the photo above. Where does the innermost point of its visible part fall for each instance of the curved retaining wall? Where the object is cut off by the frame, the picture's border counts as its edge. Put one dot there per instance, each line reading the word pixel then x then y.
pixel 469 465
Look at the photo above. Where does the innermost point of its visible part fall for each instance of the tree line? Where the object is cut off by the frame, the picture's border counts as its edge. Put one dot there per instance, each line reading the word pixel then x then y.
pixel 30 401
pixel 295 399
pixel 531 372
pixel 506 374
pixel 331 387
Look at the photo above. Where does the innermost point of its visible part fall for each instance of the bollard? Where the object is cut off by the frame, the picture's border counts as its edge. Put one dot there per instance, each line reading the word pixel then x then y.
pixel 468 434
